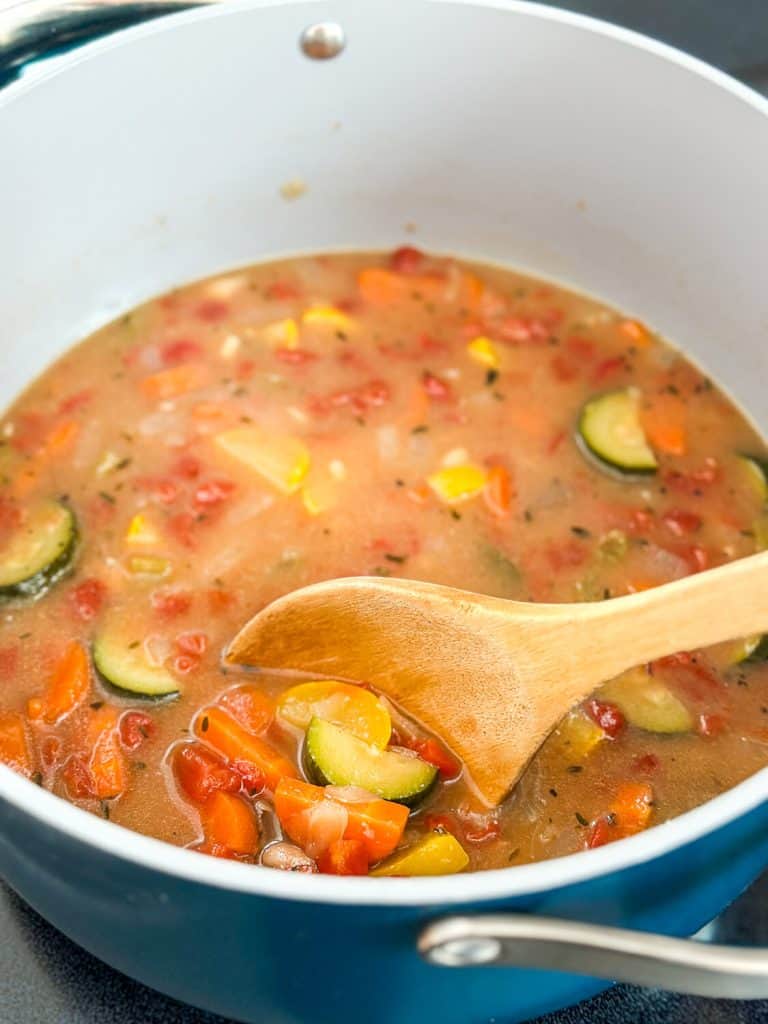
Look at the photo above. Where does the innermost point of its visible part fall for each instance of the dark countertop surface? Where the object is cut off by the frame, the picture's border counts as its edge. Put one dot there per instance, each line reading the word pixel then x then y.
pixel 46 979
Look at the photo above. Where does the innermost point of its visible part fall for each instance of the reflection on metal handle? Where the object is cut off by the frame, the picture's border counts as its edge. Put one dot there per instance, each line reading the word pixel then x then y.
pixel 39 28
pixel 517 940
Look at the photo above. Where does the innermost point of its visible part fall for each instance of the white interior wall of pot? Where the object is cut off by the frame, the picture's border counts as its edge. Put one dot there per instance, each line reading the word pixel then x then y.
pixel 503 134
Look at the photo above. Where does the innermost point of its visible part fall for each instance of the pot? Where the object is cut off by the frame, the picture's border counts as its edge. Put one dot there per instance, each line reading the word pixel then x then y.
pixel 500 130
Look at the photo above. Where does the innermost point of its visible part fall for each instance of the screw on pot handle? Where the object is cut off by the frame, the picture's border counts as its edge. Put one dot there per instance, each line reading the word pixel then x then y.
pixel 639 958
pixel 36 29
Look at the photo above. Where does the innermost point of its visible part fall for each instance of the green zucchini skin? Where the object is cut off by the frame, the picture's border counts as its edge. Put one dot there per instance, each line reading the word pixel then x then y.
pixel 599 432
pixel 334 757
pixel 36 578
pixel 759 654
pixel 124 670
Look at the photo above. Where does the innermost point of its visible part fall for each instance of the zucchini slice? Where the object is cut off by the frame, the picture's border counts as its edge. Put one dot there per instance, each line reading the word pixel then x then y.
pixel 39 552
pixel 610 428
pixel 123 666
pixel 757 473
pixel 647 703
pixel 333 756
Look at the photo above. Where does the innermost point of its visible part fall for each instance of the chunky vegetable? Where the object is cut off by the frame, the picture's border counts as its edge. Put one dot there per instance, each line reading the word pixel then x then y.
pixel 610 428
pixel 229 822
pixel 647 702
pixel 351 707
pixel 215 726
pixel 122 663
pixel 67 688
pixel 334 756
pixel 281 461
pixel 15 750
pixel 434 854
pixel 379 824
pixel 38 552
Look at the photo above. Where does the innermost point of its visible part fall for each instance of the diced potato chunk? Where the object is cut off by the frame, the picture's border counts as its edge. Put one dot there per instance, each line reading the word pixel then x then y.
pixel 647 703
pixel 148 565
pixel 483 351
pixel 455 484
pixel 435 854
pixel 140 531
pixel 328 316
pixel 577 735
pixel 281 460
pixel 281 333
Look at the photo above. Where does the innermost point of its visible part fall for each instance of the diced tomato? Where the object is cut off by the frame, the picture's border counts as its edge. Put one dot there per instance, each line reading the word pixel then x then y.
pixel 600 833
pixel 693 481
pixel 50 748
pixel 406 260
pixel 182 527
pixel 187 467
pixel 648 763
pixel 432 751
pixel 375 393
pixel 563 368
pixel 639 520
pixel 445 822
pixel 428 344
pixel 160 488
pixel 437 389
pixel 250 706
pixel 566 555
pixel 9 662
pixel 170 603
pixel 282 291
pixel 344 857
pixel 214 492
pixel 582 347
pixel 180 351
pixel 525 329
pixel 185 663
pixel 76 401
pixel 711 725
pixel 608 368
pixel 195 644
pixel 211 310
pixel 78 778
pixel 695 556
pixel 135 727
pixel 199 772
pixel 681 522
pixel 253 778
pixel 607 716
pixel 87 598
pixel 295 356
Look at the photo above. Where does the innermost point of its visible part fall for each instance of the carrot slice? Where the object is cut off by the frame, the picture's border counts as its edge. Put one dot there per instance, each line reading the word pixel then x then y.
pixel 14 748
pixel 178 380
pixel 664 423
pixel 228 821
pixel 215 726
pixel 379 824
pixel 344 857
pixel 382 287
pixel 498 491
pixel 630 812
pixel 252 708
pixel 638 333
pixel 106 762
pixel 67 688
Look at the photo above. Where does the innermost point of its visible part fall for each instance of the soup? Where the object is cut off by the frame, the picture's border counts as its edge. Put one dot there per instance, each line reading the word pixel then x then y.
pixel 354 414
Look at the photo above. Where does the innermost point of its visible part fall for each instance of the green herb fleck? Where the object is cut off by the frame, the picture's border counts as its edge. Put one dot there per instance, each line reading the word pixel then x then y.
pixel 491 377
pixel 204 724
pixel 106 496
pixel 581 820
pixel 581 531
pixel 422 428
pixel 399 559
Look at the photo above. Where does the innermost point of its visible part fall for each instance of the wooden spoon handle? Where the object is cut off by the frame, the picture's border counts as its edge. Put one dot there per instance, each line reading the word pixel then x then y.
pixel 721 604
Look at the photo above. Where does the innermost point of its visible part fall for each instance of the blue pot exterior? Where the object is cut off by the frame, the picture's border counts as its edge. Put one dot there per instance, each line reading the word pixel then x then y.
pixel 274 961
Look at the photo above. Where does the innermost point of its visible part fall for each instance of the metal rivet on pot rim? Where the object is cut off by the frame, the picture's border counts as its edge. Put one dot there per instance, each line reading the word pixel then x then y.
pixel 465 952
pixel 323 40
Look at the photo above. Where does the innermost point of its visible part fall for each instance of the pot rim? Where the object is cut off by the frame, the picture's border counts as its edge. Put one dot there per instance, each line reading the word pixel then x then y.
pixel 502 883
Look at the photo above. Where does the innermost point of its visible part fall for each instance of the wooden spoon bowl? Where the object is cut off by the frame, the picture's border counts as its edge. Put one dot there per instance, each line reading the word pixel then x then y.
pixel 493 677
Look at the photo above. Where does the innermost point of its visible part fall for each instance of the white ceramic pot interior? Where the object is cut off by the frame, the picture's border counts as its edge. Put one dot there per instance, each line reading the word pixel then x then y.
pixel 506 132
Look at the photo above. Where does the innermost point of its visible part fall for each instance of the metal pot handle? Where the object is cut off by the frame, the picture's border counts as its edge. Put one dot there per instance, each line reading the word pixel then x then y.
pixel 639 958
pixel 35 29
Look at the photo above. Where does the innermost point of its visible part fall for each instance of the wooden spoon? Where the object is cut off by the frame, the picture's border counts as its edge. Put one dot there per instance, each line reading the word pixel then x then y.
pixel 494 677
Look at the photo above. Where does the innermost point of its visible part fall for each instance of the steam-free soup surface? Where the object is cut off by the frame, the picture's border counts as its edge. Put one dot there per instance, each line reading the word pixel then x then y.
pixel 388 414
